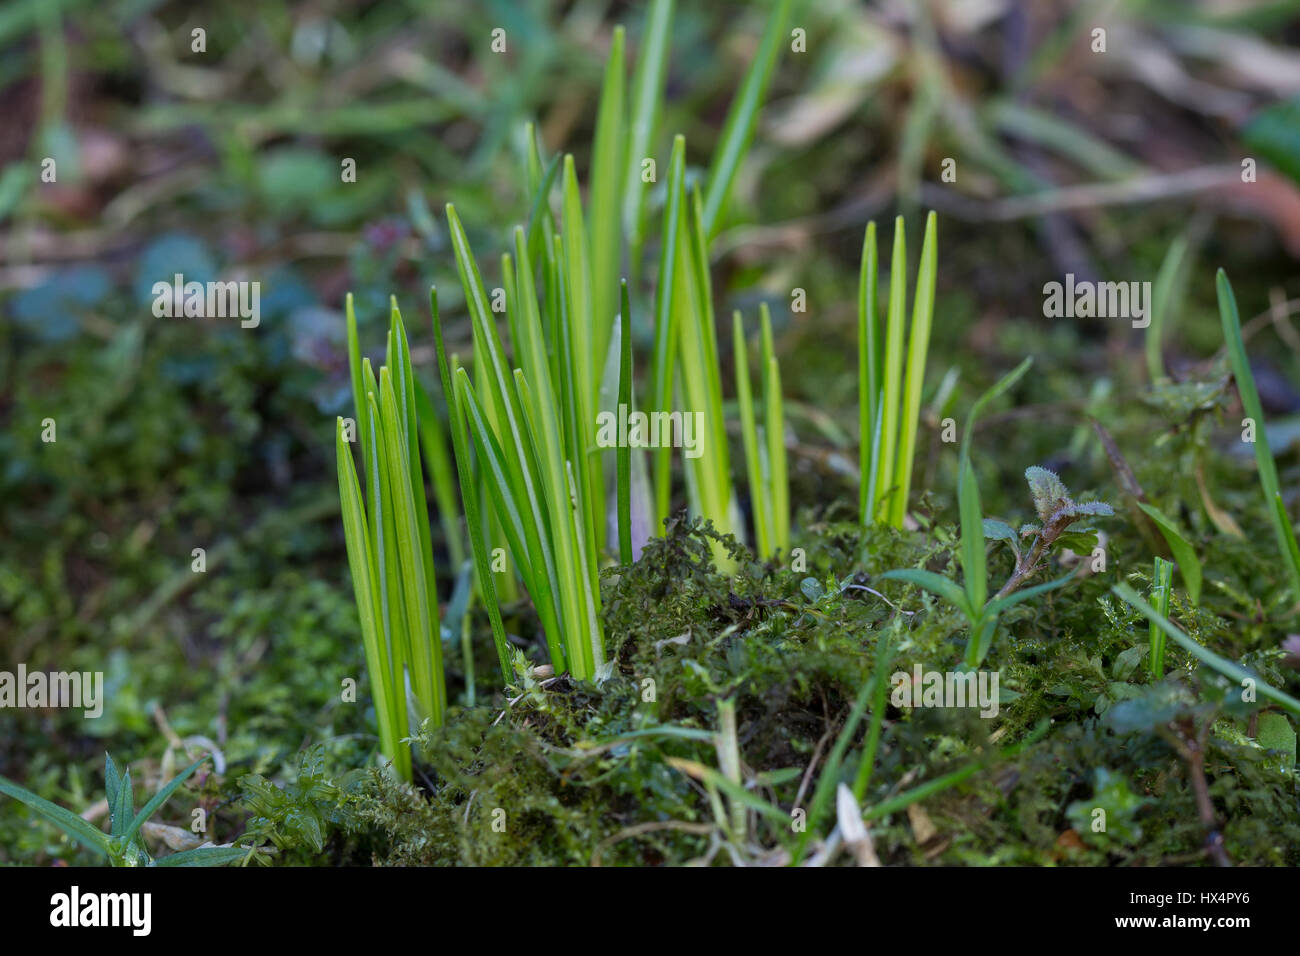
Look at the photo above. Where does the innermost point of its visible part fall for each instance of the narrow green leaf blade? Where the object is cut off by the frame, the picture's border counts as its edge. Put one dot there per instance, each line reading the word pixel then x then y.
pixel 1282 528
pixel 624 460
pixel 869 385
pixel 995 608
pixel 918 346
pixel 974 568
pixel 934 583
pixel 469 499
pixel 67 821
pixel 606 202
pixel 161 797
pixel 742 117
pixel 647 97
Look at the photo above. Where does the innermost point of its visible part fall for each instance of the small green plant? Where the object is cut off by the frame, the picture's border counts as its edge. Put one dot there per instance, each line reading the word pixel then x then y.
pixel 388 541
pixel 534 458
pixel 765 458
pixel 1286 540
pixel 1163 583
pixel 525 431
pixel 1058 516
pixel 123 845
pixel 889 401
pixel 302 813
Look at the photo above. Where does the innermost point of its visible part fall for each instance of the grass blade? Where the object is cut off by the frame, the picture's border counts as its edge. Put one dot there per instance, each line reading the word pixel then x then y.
pixel 995 608
pixel 1000 387
pixel 405 386
pixel 433 444
pixel 974 567
pixel 577 415
pixel 122 809
pixel 522 534
pixel 67 821
pixel 866 763
pixel 159 798
pixel 829 778
pixel 578 357
pixel 204 856
pixel 1163 294
pixel 1286 540
pixel 702 387
pixel 540 223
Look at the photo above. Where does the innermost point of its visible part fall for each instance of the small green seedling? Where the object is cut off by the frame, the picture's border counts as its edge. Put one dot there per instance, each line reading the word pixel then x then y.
pixel 123 846
pixel 388 540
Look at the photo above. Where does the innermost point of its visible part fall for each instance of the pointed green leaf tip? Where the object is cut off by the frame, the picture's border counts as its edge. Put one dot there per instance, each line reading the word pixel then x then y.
pixel 1049 492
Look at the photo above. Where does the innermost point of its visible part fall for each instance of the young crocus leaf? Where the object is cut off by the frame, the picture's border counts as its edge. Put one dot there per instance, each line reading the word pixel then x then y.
pixel 1285 533
pixel 624 456
pixel 742 117
pixel 469 497
pixel 646 98
pixel 918 345
pixel 869 364
pixel 758 492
